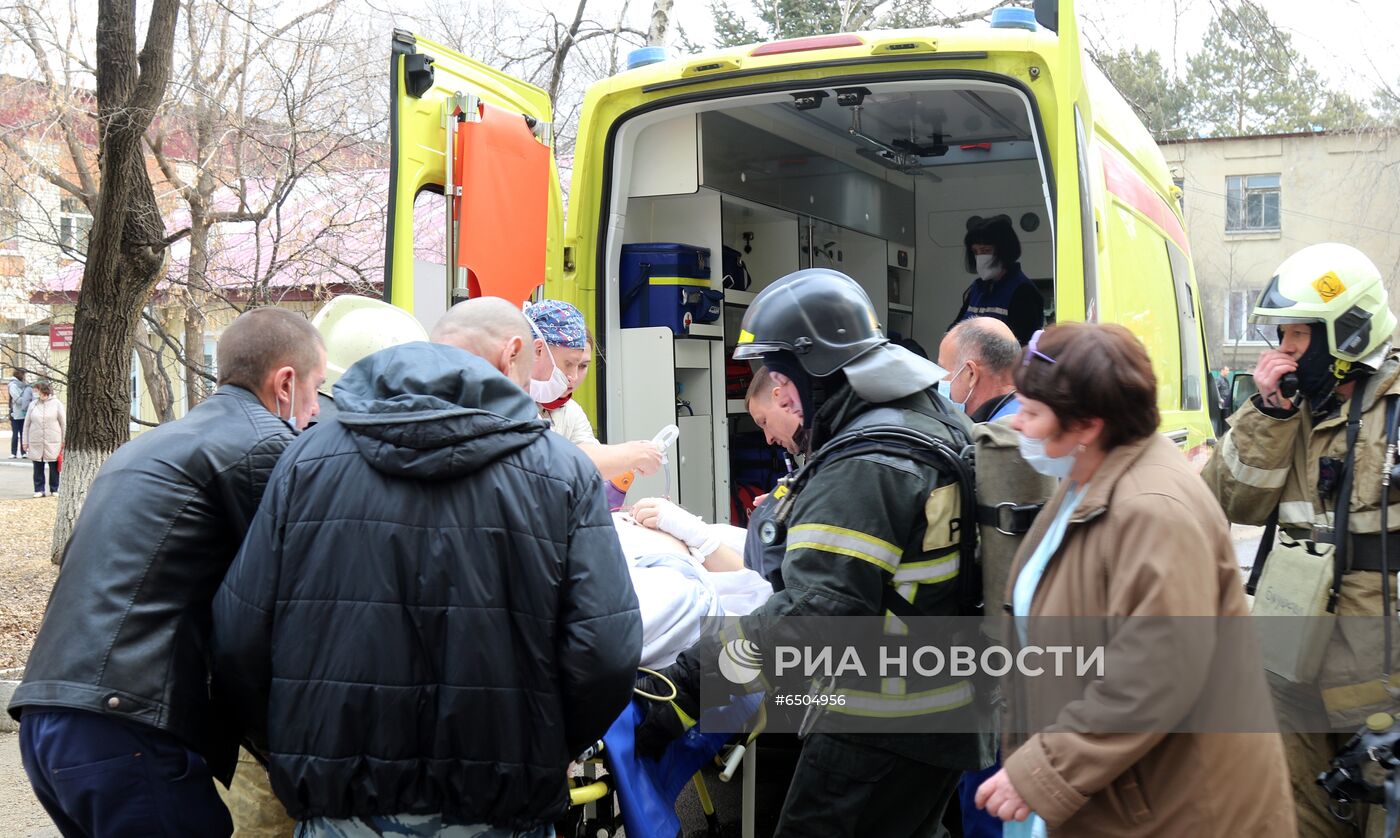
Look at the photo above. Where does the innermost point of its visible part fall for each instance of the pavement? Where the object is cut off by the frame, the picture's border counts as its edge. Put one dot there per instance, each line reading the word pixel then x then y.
pixel 21 815
pixel 16 478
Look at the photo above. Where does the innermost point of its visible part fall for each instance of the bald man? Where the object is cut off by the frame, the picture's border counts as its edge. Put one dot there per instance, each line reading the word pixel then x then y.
pixel 981 356
pixel 432 602
pixel 493 329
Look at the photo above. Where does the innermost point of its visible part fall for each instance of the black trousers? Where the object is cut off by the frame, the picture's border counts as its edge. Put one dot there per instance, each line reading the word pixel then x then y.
pixel 39 476
pixel 842 788
pixel 16 433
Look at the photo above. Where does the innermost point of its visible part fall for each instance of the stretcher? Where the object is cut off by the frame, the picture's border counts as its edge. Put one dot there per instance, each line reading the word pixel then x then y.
pixel 638 800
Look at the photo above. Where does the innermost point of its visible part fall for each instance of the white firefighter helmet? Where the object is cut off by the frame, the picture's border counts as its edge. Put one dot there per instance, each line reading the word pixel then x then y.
pixel 353 327
pixel 1335 285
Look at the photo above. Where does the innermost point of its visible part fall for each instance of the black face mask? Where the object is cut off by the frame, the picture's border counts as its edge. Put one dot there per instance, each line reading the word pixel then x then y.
pixel 1316 380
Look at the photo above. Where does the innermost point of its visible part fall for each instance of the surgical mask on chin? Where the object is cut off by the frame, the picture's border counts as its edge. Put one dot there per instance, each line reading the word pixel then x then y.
pixel 1033 452
pixel 988 267
pixel 544 392
pixel 547 391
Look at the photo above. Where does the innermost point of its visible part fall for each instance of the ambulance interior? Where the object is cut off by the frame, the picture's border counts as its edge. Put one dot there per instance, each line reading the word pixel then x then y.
pixel 878 181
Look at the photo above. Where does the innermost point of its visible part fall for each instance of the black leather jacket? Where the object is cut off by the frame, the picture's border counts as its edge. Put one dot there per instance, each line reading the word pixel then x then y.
pixel 127 628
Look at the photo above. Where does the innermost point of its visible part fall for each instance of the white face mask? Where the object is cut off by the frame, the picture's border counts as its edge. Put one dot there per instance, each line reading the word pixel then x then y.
pixel 1033 452
pixel 291 419
pixel 552 388
pixel 988 267
pixel 546 391
pixel 945 389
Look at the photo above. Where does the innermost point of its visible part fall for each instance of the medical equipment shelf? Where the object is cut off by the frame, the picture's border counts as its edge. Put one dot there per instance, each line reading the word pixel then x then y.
pixel 900 307
pixel 735 406
pixel 739 298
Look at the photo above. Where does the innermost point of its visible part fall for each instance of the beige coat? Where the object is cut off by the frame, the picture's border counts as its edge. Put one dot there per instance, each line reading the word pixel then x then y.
pixel 1263 462
pixel 1148 540
pixel 43 429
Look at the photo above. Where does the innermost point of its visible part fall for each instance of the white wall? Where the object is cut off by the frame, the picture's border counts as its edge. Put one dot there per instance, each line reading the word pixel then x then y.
pixel 942 210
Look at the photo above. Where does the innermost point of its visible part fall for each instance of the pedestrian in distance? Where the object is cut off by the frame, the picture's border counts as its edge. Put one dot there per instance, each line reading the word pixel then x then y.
pixel 20 395
pixel 43 437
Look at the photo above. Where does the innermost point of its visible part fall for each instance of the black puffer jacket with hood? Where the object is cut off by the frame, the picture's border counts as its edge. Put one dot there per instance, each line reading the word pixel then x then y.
pixel 431 613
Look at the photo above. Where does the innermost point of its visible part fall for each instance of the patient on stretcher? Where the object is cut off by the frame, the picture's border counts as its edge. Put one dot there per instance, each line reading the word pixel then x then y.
pixel 676 592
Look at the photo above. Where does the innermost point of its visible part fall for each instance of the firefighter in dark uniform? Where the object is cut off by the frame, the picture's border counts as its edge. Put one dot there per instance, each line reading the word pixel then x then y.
pixel 866 526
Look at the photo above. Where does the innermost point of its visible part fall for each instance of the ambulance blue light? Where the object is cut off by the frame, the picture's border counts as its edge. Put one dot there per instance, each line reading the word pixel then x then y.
pixel 1014 19
pixel 646 55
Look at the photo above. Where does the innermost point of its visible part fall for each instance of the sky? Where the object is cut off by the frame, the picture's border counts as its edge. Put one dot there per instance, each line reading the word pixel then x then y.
pixel 1353 43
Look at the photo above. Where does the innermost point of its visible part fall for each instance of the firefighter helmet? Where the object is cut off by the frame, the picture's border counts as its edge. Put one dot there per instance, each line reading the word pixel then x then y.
pixel 1335 285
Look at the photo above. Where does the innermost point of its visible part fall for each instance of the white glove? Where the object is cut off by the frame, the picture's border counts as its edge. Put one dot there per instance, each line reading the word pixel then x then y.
pixel 663 515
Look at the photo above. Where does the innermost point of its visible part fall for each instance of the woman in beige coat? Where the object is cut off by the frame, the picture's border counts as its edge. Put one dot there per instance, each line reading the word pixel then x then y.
pixel 43 436
pixel 1131 537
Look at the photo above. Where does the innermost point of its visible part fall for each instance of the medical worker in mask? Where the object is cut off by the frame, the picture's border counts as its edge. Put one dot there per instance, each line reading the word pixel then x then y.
pixel 1132 532
pixel 562 359
pixel 1001 289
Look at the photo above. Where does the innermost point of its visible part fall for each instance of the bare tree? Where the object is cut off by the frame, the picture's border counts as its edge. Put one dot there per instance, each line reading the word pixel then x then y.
pixel 562 55
pixel 254 103
pixel 126 248
pixel 660 22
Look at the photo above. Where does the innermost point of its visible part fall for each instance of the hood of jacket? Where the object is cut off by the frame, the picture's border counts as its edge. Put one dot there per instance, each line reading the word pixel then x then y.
pixel 433 412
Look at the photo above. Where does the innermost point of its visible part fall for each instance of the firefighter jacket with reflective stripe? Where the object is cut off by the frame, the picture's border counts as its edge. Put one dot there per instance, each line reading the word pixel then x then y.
pixel 861 523
pixel 1271 457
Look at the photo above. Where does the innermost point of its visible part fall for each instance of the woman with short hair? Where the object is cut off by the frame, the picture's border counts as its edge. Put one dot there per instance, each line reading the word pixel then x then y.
pixel 992 251
pixel 1131 534
pixel 43 436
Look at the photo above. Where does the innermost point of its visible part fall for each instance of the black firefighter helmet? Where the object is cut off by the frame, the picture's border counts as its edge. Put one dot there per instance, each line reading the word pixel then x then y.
pixel 821 316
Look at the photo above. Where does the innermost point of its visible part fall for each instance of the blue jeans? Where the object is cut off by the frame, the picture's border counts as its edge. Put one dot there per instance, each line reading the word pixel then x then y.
pixel 39 477
pixel 101 776
pixel 16 433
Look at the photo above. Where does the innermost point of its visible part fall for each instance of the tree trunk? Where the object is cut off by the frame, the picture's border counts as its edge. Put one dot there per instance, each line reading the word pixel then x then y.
pixel 660 22
pixel 125 250
pixel 196 298
pixel 151 354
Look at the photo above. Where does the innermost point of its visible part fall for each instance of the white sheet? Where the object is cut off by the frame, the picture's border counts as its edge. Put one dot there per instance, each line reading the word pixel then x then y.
pixel 677 595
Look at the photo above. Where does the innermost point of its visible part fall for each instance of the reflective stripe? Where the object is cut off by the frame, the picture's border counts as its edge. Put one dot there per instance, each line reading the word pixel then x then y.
pixel 1299 513
pixel 875 705
pixel 1259 478
pixel 895 627
pixel 933 570
pixel 845 542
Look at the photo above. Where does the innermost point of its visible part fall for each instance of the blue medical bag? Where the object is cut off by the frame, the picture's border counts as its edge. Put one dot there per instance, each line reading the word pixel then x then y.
pixel 667 284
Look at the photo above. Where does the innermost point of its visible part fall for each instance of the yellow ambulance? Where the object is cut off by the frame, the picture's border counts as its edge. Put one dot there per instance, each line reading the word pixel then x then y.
pixel 870 152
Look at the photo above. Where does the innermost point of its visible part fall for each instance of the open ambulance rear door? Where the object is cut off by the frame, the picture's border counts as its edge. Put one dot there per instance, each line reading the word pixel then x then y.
pixel 1069 126
pixel 475 207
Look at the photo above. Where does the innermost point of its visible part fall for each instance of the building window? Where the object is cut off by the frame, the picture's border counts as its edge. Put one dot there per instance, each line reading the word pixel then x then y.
pixel 1251 203
pixel 1238 329
pixel 74 224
